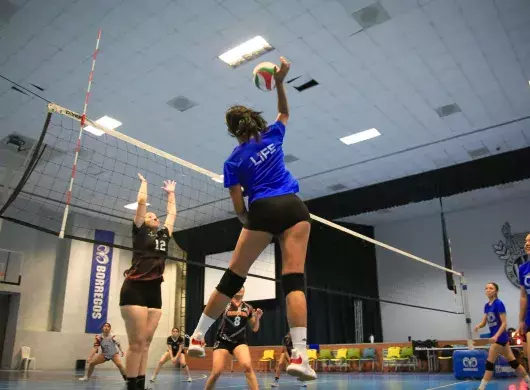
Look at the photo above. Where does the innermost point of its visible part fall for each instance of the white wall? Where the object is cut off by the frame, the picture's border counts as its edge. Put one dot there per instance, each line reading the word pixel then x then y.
pixel 49 263
pixel 472 232
pixel 255 288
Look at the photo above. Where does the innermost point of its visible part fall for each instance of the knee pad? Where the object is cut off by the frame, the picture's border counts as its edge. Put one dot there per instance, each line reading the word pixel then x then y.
pixel 514 364
pixel 183 366
pixel 230 284
pixel 489 366
pixel 293 282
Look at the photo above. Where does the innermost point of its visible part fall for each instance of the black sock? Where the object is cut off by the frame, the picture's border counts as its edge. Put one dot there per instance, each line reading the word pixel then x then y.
pixel 124 377
pixel 140 382
pixel 131 383
pixel 277 378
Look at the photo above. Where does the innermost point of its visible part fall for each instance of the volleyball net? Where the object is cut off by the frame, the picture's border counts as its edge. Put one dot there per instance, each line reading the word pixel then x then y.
pixel 104 191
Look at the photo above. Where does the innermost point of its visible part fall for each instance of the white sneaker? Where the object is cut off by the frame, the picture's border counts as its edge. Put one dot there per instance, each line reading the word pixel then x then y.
pixel 275 384
pixel 153 379
pixel 196 348
pixel 83 379
pixel 188 380
pixel 299 367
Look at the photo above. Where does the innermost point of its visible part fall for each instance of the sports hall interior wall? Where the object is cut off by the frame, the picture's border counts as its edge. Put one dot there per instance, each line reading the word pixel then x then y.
pixel 485 172
pixel 54 296
pixel 335 261
pixel 473 234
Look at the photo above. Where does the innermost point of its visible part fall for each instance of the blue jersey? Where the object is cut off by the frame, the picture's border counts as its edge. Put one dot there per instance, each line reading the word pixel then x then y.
pixel 259 166
pixel 524 281
pixel 493 314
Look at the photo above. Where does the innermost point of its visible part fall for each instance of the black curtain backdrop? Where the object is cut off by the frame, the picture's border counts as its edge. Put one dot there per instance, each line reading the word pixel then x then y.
pixel 335 261
pixel 340 262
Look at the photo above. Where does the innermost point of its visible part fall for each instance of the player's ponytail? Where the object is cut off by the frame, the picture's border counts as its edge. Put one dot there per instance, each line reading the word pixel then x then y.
pixel 245 123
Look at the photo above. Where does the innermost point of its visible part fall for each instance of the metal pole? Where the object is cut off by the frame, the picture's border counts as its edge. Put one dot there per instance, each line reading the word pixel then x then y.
pixel 467 314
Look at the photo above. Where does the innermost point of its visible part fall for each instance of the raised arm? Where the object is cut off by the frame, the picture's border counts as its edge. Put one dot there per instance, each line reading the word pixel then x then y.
pixel 279 77
pixel 141 210
pixel 169 187
pixel 236 193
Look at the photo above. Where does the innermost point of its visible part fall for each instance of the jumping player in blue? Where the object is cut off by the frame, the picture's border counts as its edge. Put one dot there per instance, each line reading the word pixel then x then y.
pixel 256 169
pixel 495 318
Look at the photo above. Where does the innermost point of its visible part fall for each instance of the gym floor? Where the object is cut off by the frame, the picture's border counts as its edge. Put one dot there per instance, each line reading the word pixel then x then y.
pixel 107 379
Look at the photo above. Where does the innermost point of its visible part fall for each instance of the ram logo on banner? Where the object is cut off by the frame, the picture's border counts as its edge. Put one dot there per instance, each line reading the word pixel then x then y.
pixel 98 296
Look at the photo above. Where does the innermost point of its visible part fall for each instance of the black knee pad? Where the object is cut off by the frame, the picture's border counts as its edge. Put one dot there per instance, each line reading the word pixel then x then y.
pixel 293 282
pixel 230 283
pixel 489 366
pixel 183 366
pixel 514 364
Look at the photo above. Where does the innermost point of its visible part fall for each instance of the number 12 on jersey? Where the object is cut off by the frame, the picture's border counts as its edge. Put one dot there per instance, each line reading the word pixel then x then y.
pixel 160 245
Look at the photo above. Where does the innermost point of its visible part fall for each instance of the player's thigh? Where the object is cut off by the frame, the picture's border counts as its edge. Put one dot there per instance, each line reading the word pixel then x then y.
pixel 182 359
pixel 98 359
pixel 220 358
pixel 242 354
pixel 165 357
pixel 116 359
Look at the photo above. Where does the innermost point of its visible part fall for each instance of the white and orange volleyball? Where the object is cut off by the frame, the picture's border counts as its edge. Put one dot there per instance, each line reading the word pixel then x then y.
pixel 263 76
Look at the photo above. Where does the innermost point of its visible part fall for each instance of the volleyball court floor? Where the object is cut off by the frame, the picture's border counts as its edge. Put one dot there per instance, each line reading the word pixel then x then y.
pixel 107 379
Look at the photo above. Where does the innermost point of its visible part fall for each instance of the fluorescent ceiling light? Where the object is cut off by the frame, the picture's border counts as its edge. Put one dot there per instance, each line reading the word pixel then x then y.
pixel 106 121
pixel 134 206
pixel 218 179
pixel 246 51
pixel 361 136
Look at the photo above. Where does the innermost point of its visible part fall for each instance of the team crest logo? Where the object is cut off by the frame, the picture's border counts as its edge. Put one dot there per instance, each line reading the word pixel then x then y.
pixel 470 362
pixel 511 251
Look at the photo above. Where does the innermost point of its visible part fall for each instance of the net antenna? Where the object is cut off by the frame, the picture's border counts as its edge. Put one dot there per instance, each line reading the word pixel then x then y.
pixel 78 147
pixel 460 275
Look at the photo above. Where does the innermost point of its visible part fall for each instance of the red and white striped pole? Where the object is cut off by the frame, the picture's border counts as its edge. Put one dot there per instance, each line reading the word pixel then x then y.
pixel 78 147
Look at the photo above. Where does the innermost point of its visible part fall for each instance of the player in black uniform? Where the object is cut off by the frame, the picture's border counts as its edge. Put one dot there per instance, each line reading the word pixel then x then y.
pixel 175 352
pixel 140 296
pixel 285 358
pixel 232 339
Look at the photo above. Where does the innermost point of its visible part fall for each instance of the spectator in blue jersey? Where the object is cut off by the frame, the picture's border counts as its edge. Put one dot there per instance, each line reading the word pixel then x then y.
pixel 495 318
pixel 256 169
pixel 524 282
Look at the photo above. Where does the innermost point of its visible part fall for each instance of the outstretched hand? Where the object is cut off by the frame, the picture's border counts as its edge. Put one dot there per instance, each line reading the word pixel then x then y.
pixel 280 73
pixel 169 186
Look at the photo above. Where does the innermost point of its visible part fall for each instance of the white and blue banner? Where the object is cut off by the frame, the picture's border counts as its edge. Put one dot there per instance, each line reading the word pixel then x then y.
pixel 98 295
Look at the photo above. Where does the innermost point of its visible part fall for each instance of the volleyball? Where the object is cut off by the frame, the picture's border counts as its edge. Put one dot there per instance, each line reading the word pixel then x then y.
pixel 263 76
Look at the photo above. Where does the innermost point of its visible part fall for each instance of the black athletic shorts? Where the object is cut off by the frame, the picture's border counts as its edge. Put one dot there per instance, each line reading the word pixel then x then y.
pixel 501 344
pixel 276 214
pixel 223 344
pixel 147 293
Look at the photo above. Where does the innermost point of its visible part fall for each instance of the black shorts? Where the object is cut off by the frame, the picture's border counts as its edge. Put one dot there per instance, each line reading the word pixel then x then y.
pixel 276 214
pixel 501 344
pixel 223 344
pixel 147 293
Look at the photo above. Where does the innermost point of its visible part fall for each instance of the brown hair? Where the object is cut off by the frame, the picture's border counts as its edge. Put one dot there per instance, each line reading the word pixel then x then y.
pixel 245 123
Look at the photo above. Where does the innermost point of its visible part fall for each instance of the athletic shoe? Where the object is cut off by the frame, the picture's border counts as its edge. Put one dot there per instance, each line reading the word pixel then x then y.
pixel 153 379
pixel 196 348
pixel 83 379
pixel 188 380
pixel 276 383
pixel 300 368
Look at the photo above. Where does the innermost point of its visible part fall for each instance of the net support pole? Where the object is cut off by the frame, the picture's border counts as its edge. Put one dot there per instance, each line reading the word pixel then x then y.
pixel 467 313
pixel 78 147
